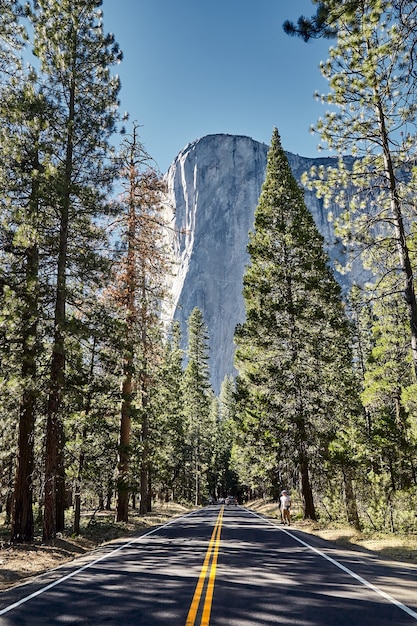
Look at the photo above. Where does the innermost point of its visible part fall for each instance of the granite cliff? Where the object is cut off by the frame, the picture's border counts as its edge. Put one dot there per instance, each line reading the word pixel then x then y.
pixel 213 188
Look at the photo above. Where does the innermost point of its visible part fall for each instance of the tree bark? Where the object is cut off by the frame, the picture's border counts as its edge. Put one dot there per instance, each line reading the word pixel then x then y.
pixel 144 469
pixel 350 500
pixel 122 510
pixel 81 460
pixel 306 490
pixel 400 235
pixel 54 460
pixel 22 526
pixel 77 495
pixel 54 451
pixel 22 521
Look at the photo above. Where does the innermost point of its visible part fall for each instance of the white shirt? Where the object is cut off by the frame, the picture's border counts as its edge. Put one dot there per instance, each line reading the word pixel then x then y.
pixel 285 501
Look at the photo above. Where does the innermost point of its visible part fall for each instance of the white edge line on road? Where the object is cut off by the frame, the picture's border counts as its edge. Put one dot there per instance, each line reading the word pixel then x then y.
pixel 363 581
pixel 84 567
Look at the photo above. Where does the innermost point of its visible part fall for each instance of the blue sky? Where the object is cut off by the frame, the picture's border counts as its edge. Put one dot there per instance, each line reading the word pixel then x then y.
pixel 193 68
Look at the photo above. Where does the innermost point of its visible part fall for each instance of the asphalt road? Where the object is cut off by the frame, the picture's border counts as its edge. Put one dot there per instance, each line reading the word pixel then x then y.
pixel 219 566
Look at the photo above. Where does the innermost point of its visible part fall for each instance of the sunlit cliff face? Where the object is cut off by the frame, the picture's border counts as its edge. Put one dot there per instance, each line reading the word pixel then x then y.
pixel 213 189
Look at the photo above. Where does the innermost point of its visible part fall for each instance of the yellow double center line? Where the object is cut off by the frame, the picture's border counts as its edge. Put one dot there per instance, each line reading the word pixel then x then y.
pixel 206 580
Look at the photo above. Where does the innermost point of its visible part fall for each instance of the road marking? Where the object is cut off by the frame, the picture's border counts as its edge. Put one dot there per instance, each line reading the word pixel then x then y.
pixel 345 569
pixel 91 564
pixel 208 573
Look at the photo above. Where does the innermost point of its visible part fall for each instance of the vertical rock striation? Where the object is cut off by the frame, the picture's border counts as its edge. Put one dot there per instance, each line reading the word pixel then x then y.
pixel 213 186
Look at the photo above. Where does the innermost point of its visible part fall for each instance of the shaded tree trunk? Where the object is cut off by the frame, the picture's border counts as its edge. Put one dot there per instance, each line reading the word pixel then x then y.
pixel 144 469
pixel 81 460
pixel 54 451
pixel 350 500
pixel 77 495
pixel 400 235
pixel 22 526
pixel 54 459
pixel 122 510
pixel 306 490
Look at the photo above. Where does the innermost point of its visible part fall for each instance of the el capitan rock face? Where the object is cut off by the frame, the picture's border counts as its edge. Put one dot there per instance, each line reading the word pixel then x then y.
pixel 214 185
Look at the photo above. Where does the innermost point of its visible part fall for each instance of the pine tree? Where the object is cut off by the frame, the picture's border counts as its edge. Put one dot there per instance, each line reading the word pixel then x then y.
pixel 22 117
pixel 75 56
pixel 92 405
pixel 197 395
pixel 372 108
pixel 169 449
pixel 225 480
pixel 139 293
pixel 319 25
pixel 386 377
pixel 24 155
pixel 293 352
pixel 12 38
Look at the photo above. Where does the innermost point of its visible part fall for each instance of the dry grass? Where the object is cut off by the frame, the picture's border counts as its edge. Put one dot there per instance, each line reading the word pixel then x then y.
pixel 396 546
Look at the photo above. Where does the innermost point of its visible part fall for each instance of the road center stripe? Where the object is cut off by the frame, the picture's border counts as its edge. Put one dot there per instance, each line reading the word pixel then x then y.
pixel 211 554
pixel 345 569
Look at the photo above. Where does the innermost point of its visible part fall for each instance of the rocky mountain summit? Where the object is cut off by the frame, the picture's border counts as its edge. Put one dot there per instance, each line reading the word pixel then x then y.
pixel 213 188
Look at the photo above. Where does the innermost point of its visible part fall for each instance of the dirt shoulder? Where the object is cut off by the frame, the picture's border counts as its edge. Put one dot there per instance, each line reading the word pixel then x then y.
pixel 19 562
pixel 398 547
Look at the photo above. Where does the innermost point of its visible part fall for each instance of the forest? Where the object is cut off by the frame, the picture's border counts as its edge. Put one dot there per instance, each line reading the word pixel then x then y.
pixel 101 405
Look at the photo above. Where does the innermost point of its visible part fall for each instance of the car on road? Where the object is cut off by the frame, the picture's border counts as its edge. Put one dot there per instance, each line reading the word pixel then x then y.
pixel 231 500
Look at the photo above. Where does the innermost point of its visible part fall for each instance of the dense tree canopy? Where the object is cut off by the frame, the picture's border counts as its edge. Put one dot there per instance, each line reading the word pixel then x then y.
pixel 102 402
pixel 293 349
pixel 369 122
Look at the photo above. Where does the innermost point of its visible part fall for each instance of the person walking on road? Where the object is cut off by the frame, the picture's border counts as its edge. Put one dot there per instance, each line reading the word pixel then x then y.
pixel 285 505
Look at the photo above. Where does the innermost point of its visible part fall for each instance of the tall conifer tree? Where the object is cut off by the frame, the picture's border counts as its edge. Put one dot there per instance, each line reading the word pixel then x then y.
pixel 197 402
pixel 75 59
pixel 23 158
pixel 169 451
pixel 372 81
pixel 293 351
pixel 139 292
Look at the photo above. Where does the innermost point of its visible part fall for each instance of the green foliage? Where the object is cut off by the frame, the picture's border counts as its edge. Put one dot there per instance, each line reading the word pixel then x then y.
pixel 293 416
pixel 169 450
pixel 319 25
pixel 369 120
pixel 371 108
pixel 54 136
pixel 293 354
pixel 197 395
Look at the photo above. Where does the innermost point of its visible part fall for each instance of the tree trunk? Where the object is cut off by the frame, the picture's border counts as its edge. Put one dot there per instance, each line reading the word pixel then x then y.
pixel 109 495
pixel 306 490
pixel 149 490
pixel 54 480
pixel 122 510
pixel 54 461
pixel 350 500
pixel 77 496
pixel 78 483
pixel 22 523
pixel 400 236
pixel 22 527
pixel 77 512
pixel 144 469
pixel 196 483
